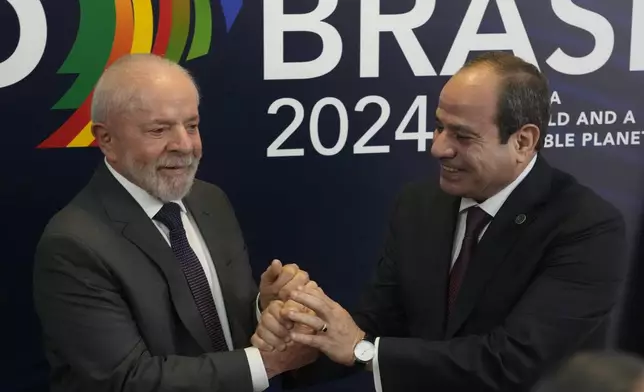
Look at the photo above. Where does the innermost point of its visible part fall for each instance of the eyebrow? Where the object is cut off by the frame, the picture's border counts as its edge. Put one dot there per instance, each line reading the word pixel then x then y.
pixel 169 122
pixel 457 127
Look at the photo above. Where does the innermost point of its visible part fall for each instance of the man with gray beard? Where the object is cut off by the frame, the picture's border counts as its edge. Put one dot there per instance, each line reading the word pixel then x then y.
pixel 142 282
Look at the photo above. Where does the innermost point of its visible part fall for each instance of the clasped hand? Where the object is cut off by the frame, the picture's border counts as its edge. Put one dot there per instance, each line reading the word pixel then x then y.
pixel 305 317
pixel 276 285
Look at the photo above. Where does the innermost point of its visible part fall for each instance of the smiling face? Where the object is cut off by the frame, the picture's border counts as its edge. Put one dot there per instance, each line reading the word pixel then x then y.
pixel 155 142
pixel 474 162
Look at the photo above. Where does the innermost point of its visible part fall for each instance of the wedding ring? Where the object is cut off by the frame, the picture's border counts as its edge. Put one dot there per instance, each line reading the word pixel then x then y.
pixel 324 328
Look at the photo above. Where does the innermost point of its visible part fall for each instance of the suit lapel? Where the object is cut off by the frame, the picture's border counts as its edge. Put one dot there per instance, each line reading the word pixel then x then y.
pixel 511 222
pixel 438 222
pixel 213 233
pixel 139 229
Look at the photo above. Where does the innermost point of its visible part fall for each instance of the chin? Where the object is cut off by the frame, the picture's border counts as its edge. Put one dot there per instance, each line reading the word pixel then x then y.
pixel 452 188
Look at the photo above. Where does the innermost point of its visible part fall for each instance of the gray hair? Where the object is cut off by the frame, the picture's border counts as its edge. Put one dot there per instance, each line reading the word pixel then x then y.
pixel 116 90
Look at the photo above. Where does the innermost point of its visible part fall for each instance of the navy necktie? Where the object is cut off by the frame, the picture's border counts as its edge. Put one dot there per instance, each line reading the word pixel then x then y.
pixel 476 221
pixel 170 216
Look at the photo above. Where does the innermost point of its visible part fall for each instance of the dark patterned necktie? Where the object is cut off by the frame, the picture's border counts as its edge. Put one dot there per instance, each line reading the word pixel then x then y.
pixel 170 216
pixel 476 221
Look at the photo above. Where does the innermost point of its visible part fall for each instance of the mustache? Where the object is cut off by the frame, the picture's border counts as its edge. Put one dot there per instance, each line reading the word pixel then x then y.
pixel 175 160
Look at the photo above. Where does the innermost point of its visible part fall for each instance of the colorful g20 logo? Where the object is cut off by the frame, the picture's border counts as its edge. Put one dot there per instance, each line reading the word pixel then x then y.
pixel 109 29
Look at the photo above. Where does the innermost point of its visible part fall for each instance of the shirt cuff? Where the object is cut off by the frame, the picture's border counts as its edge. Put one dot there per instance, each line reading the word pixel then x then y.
pixel 376 369
pixel 258 313
pixel 257 369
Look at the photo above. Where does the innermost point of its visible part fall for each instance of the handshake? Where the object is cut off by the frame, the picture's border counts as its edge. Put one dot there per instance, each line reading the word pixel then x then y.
pixel 299 322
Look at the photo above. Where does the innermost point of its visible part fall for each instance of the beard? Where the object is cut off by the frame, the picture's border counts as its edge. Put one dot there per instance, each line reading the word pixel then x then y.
pixel 158 182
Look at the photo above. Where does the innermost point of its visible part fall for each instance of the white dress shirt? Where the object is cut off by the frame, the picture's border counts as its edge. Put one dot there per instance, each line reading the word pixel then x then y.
pixel 151 205
pixel 491 206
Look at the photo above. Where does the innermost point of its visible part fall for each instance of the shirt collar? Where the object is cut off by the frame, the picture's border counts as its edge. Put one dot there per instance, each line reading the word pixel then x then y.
pixel 492 205
pixel 150 204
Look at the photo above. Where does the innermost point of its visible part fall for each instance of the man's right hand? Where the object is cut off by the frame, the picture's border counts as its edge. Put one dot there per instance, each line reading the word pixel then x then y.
pixel 273 330
pixel 294 357
pixel 272 338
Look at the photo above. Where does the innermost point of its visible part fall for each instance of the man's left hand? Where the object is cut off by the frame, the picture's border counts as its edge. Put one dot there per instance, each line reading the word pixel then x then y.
pixel 278 281
pixel 337 333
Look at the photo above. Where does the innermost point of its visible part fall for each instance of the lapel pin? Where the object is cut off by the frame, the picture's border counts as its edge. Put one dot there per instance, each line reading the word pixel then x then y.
pixel 520 219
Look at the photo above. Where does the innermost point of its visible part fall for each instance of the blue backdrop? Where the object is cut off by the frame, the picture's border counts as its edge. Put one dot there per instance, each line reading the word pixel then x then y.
pixel 310 126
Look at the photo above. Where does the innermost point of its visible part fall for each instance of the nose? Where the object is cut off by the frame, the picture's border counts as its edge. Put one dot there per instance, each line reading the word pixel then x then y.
pixel 441 146
pixel 181 140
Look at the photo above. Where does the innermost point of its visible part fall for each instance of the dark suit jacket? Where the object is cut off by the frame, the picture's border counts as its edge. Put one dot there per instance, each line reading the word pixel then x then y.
pixel 535 291
pixel 116 311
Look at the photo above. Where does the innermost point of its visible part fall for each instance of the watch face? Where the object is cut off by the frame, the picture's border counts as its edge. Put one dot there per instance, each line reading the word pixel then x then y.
pixel 364 351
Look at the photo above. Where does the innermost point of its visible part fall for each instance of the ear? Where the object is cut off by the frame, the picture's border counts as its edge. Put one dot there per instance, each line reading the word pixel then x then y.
pixel 525 141
pixel 104 140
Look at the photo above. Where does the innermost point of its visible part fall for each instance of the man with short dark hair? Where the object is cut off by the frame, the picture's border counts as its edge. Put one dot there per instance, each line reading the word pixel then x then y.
pixel 505 267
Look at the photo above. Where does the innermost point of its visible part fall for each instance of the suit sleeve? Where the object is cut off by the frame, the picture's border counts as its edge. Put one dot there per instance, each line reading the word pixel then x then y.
pixel 381 314
pixel 85 316
pixel 573 293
